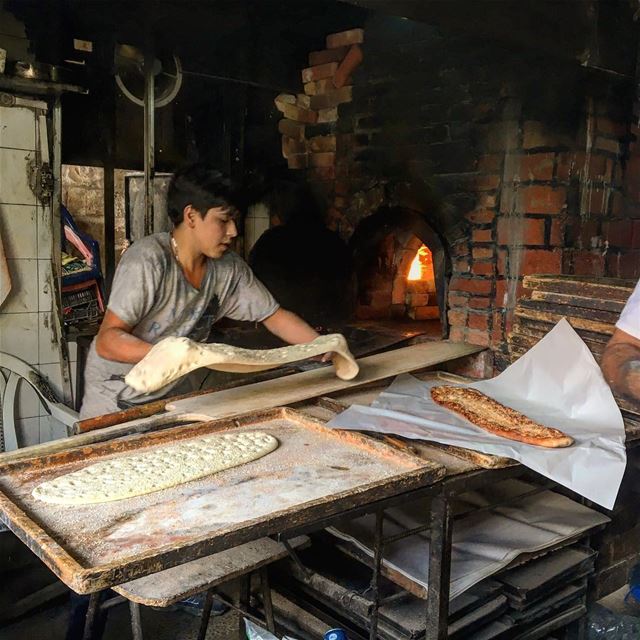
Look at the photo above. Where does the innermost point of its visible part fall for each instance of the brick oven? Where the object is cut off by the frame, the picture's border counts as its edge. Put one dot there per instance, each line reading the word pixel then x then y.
pixel 501 163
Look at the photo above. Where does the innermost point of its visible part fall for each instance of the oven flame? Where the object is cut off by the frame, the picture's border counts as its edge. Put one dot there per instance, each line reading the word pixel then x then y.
pixel 421 264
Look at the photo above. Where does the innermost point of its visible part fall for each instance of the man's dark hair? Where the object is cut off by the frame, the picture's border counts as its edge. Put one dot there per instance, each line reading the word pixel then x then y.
pixel 203 188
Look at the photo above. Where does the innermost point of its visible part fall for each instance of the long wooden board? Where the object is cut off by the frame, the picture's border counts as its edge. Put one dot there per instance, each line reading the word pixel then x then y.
pixel 605 288
pixel 320 382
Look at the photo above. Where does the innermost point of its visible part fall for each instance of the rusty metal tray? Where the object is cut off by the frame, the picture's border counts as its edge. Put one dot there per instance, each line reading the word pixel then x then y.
pixel 315 473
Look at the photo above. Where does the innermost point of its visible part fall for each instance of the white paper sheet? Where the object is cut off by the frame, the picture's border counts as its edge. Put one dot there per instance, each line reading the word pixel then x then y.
pixel 483 543
pixel 557 383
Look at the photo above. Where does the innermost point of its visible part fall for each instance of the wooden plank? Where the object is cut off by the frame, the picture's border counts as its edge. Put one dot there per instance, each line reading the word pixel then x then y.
pixel 605 288
pixel 166 587
pixel 320 382
pixel 605 328
pixel 600 304
pixel 534 328
pixel 570 311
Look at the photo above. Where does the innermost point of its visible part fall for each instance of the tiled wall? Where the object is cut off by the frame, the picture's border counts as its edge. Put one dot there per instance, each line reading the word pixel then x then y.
pixel 26 316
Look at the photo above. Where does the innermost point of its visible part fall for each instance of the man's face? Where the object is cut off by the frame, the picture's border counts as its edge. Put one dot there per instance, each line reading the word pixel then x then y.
pixel 215 231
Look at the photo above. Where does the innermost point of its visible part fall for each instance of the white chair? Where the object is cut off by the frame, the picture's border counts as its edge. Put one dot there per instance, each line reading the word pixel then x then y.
pixel 13 371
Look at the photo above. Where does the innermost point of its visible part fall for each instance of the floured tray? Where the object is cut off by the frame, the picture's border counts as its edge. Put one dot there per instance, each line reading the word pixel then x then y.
pixel 314 473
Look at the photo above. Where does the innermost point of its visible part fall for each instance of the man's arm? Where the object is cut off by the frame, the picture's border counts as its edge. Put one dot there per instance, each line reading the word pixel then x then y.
pixel 115 341
pixel 290 327
pixel 621 365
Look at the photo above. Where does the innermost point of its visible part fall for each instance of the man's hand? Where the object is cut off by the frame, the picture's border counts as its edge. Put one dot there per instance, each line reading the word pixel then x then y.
pixel 621 365
pixel 115 341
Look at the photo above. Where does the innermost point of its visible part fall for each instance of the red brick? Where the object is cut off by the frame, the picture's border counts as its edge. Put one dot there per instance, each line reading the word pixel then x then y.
pixel 597 201
pixel 298 161
pixel 292 147
pixel 457 300
pixel 490 163
pixel 471 285
pixel 322 143
pixel 424 313
pixel 319 72
pixel 318 87
pixel 332 98
pixel 483 268
pixel 482 235
pixel 609 127
pixel 477 320
pixel 503 292
pixel 297 114
pixel 303 101
pixel 291 129
pixel 461 265
pixel 327 55
pixel 460 249
pixel 569 165
pixel 536 135
pixel 629 265
pixel 635 243
pixel 418 299
pixel 530 231
pixel 619 233
pixel 456 334
pixel 481 216
pixel 328 115
pixel 541 261
pixel 482 253
pixel 487 200
pixel 476 302
pixel 487 183
pixel 322 173
pixel 608 145
pixel 537 166
pixel 351 61
pixel 539 199
pixel 457 317
pixel 587 263
pixel 340 203
pixel 480 338
pixel 502 261
pixel 557 233
pixel 599 167
pixel 326 159
pixel 345 38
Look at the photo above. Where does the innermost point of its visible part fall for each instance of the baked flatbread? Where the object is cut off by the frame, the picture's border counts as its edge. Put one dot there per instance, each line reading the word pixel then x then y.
pixel 494 417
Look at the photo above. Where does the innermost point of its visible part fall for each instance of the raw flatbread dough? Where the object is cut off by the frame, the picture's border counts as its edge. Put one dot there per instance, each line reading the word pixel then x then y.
pixel 164 467
pixel 173 358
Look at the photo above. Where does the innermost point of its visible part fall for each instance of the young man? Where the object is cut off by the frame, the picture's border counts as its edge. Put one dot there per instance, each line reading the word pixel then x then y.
pixel 179 284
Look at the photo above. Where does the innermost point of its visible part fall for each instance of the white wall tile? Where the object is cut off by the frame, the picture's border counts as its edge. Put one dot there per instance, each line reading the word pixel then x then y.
pixel 18 227
pixel 14 181
pixel 45 285
pixel 45 232
pixel 19 335
pixel 48 350
pixel 17 128
pixel 23 296
pixel 28 431
pixel 51 429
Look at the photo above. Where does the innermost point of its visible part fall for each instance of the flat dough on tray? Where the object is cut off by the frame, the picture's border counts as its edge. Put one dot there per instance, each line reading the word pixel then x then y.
pixel 496 418
pixel 161 468
pixel 173 358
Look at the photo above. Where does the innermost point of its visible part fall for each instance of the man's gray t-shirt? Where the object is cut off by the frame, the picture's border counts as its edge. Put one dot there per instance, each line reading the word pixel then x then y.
pixel 151 294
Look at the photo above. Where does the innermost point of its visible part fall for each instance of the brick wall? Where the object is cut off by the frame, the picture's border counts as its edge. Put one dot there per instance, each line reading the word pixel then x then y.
pixel 518 163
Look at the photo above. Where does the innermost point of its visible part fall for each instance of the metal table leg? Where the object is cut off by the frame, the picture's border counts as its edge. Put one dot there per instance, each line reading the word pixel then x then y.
pixel 92 612
pixel 375 578
pixel 206 615
pixel 266 599
pixel 439 570
pixel 136 620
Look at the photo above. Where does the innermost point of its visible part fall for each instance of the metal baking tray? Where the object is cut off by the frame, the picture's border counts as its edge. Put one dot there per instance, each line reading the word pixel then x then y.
pixel 315 473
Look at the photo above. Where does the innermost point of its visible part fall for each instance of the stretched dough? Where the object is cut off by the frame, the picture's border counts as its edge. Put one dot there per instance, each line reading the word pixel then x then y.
pixel 173 358
pixel 164 467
